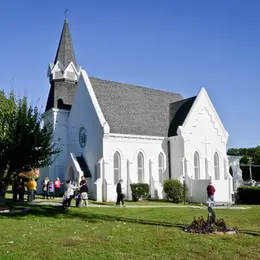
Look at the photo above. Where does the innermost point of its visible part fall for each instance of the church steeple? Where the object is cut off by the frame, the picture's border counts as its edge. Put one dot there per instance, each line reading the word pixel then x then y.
pixel 65 53
pixel 64 73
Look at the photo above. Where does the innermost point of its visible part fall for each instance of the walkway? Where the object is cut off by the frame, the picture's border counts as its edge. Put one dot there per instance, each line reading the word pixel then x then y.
pixel 93 205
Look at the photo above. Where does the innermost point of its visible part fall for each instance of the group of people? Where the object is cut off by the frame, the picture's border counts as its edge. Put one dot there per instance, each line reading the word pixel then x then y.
pixel 20 185
pixel 79 193
pixel 50 188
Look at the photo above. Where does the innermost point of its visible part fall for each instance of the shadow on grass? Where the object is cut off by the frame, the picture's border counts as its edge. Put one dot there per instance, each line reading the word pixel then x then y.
pixel 250 232
pixel 59 212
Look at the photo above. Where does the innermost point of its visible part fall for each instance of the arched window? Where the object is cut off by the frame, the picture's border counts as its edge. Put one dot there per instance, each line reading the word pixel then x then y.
pixel 196 166
pixel 140 167
pixel 117 167
pixel 216 166
pixel 161 167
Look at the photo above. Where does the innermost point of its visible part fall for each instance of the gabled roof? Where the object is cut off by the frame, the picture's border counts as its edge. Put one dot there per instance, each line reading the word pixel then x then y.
pixel 65 53
pixel 84 167
pixel 129 109
pixel 178 113
pixel 134 110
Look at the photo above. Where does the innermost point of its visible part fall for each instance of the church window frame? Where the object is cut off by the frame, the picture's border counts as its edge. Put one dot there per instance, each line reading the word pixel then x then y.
pixel 196 159
pixel 161 167
pixel 140 167
pixel 216 166
pixel 117 167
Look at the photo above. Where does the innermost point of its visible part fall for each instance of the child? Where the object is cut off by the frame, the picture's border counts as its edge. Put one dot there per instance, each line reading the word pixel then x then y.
pixel 51 189
pixel 77 198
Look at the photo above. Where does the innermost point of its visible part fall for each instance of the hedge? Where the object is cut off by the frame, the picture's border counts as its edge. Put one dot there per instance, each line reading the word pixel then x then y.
pixel 248 195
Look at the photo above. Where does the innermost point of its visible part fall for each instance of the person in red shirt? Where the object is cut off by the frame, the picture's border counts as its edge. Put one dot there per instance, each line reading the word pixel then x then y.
pixel 211 191
pixel 57 185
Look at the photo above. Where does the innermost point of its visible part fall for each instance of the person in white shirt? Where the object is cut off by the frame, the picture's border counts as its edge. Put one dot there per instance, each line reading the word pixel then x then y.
pixel 68 194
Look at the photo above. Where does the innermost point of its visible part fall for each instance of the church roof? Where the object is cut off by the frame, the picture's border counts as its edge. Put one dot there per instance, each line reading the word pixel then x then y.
pixel 65 53
pixel 134 110
pixel 178 113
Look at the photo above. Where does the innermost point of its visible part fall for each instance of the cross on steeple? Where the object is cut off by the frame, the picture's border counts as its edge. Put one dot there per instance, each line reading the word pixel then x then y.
pixel 66 15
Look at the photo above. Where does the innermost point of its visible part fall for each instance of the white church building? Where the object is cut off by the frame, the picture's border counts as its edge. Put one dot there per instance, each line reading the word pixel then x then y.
pixel 109 131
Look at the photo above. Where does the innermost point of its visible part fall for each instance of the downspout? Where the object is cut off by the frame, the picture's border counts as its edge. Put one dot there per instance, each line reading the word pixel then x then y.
pixel 169 158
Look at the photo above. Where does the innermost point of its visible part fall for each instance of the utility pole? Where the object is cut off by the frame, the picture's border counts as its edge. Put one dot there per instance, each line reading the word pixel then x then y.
pixel 250 167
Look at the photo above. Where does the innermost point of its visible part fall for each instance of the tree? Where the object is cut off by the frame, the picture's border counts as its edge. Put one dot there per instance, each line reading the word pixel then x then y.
pixel 24 144
pixel 253 152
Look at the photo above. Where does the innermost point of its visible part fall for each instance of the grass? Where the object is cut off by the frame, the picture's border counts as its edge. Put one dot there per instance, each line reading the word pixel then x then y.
pixel 124 233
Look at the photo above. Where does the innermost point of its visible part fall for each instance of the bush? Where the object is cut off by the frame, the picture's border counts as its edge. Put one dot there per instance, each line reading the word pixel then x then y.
pixel 140 191
pixel 248 195
pixel 202 226
pixel 174 190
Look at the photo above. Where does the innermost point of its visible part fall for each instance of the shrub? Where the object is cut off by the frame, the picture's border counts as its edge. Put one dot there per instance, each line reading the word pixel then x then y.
pixel 202 226
pixel 140 191
pixel 174 190
pixel 248 195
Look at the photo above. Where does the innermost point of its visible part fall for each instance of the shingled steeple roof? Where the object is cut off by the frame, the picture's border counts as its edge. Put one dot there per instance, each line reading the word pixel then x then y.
pixel 65 53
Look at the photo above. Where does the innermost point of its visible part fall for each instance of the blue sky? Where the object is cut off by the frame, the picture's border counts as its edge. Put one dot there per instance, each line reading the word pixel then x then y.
pixel 178 46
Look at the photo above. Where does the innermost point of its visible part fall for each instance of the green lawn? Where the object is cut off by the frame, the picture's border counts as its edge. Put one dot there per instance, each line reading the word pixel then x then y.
pixel 124 233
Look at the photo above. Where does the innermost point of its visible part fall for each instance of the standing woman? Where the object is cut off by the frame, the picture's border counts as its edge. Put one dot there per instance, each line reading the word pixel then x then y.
pixel 83 193
pixel 45 188
pixel 57 185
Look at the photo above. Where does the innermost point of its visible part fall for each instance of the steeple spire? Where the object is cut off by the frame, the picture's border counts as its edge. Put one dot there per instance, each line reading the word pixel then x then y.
pixel 63 74
pixel 65 53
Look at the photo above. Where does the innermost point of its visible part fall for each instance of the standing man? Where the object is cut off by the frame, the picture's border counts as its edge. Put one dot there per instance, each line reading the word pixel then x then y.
pixel 21 189
pixel 15 188
pixel 57 186
pixel 83 180
pixel 120 195
pixel 211 191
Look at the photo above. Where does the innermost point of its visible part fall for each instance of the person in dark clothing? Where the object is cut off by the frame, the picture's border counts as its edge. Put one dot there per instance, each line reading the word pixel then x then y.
pixel 211 191
pixel 83 180
pixel 21 189
pixel 120 195
pixel 45 188
pixel 15 188
pixel 83 193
